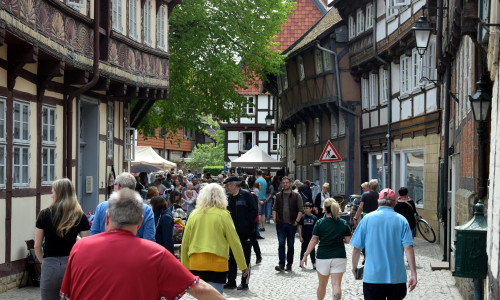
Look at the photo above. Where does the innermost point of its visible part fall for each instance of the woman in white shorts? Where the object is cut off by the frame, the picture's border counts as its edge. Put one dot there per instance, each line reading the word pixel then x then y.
pixel 331 232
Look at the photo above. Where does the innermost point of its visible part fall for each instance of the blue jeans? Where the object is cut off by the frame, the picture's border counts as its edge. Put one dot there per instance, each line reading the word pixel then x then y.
pixel 268 207
pixel 218 286
pixel 286 233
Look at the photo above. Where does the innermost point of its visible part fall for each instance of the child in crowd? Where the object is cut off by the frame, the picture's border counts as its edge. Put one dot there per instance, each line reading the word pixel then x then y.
pixel 306 226
pixel 189 202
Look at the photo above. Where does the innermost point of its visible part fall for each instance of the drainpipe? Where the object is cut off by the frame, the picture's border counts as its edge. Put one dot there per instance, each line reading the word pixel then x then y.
pixel 446 122
pixel 389 100
pixel 86 87
pixel 339 100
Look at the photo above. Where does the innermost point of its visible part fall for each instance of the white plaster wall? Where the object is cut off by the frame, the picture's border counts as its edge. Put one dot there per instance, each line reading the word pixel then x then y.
pixel 418 5
pixel 418 105
pixel 231 158
pixel 264 147
pixel 262 102
pixel 263 135
pixel 232 135
pixel 380 8
pixel 381 34
pixel 383 116
pixel 405 109
pixel 232 148
pixel 244 120
pixel 45 201
pixel 396 110
pixel 261 117
pixel 431 101
pixel 404 15
pixel 374 118
pixel 3 209
pixel 395 78
pixel 392 25
pixel 275 156
pixel 23 225
pixel 366 120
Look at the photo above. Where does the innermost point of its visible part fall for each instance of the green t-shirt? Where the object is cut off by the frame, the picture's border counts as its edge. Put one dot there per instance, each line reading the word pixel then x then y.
pixel 331 235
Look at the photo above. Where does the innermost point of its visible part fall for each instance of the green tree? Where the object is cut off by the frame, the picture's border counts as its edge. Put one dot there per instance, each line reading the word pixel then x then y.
pixel 208 155
pixel 217 47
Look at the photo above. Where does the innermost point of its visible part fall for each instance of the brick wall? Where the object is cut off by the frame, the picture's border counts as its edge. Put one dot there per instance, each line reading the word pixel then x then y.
pixel 171 144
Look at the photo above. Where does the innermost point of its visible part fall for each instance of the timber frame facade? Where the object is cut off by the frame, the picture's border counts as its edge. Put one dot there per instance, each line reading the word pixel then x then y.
pixel 68 72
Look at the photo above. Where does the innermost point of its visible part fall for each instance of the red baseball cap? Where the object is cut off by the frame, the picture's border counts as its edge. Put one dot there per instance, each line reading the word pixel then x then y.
pixel 387 194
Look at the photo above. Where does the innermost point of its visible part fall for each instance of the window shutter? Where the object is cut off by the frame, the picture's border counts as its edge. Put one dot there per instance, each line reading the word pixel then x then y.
pixel 242 142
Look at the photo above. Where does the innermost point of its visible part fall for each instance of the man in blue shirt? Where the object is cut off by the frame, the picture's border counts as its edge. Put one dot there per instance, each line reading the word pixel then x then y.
pixel 262 201
pixel 147 229
pixel 386 235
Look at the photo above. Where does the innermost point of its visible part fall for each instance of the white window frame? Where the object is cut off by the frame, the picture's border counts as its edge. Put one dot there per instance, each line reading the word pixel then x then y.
pixel 249 108
pixel 369 16
pixel 300 66
pixel 429 63
pixel 275 141
pixel 298 130
pixel 390 11
pixel 3 124
pixel 318 61
pixel 360 21
pixel 352 27
pixel 333 126
pixel 373 81
pixel 76 4
pixel 327 59
pixel 147 18
pixel 404 173
pixel 242 140
pixel 341 177
pixel 304 133
pixel 405 75
pixel 160 28
pixel 316 130
pixel 49 139
pixel 21 169
pixel 334 178
pixel 372 170
pixel 3 148
pixel 21 136
pixel 416 74
pixel 365 97
pixel 117 15
pixel 49 156
pixel 132 19
pixel 384 86
pixel 110 130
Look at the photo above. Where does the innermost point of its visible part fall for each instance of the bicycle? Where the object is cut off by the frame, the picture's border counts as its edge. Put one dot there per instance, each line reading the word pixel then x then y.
pixel 425 228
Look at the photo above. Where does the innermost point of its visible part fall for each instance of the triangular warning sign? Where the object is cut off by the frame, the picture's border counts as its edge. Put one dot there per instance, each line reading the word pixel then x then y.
pixel 329 154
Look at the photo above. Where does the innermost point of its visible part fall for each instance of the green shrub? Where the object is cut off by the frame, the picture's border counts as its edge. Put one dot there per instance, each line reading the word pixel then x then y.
pixel 213 170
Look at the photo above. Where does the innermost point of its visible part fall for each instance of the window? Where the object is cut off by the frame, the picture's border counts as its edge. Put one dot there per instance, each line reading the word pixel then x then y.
pixel 341 178
pixel 76 4
pixel 280 90
pixel 391 11
pixel 285 79
pixel 416 74
pixel 360 21
pixel 48 144
pixel 21 145
pixel 146 25
pixel 369 16
pixel 409 172
pixel 352 27
pixel 333 126
pixel 384 86
pixel 117 13
pixel 300 64
pixel 316 130
pixel 304 136
pixel 298 129
pixel 405 73
pixel 373 91
pixel 327 59
pixel 110 129
pixel 132 19
pixel 275 142
pixel 129 138
pixel 246 140
pixel 338 178
pixel 249 106
pixel 429 62
pixel 160 28
pixel 342 126
pixel 324 173
pixel 365 97
pixel 2 140
pixel 378 169
pixel 319 61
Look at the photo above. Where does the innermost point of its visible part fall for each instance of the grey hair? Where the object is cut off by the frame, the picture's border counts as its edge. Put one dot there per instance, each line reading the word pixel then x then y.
pixel 189 184
pixel 373 184
pixel 385 202
pixel 125 208
pixel 212 195
pixel 126 180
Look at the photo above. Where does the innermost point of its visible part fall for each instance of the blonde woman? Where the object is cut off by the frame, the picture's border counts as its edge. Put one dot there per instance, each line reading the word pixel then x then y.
pixel 331 232
pixel 208 235
pixel 59 225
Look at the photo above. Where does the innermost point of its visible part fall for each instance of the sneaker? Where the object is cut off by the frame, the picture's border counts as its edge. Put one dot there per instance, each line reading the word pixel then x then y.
pixel 262 229
pixel 288 268
pixel 258 261
pixel 314 266
pixel 230 286
pixel 260 237
pixel 242 286
pixel 279 269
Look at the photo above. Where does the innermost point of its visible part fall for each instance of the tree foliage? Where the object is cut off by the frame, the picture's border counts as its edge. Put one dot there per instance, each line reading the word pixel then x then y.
pixel 217 47
pixel 208 155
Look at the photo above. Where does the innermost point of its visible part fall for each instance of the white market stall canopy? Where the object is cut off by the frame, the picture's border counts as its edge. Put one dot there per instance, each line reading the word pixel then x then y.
pixel 256 157
pixel 146 155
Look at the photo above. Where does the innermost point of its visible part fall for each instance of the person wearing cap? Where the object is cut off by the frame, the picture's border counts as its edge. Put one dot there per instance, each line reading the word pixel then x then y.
pixel 386 235
pixel 243 209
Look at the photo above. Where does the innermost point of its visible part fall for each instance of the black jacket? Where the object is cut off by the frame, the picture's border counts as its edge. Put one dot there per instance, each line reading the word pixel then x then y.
pixel 244 210
pixel 305 192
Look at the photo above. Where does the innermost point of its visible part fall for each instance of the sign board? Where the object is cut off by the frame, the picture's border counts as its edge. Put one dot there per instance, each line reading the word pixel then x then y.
pixel 329 154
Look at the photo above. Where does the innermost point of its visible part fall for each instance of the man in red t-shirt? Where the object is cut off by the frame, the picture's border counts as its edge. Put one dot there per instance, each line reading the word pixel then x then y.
pixel 118 265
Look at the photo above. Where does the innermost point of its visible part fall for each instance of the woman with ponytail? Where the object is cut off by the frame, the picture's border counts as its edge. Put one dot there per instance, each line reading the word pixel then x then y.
pixel 331 232
pixel 59 224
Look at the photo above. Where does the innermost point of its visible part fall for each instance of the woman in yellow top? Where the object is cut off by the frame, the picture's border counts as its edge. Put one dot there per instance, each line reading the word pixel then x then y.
pixel 208 235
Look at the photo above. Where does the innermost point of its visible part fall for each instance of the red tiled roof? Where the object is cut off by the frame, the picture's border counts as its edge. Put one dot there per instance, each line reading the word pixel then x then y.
pixel 171 144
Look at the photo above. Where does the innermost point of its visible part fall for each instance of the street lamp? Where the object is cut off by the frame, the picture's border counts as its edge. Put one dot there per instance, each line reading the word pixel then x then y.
pixel 422 31
pixel 480 102
pixel 269 120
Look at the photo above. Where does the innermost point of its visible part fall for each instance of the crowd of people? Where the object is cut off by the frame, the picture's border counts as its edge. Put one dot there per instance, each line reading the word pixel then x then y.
pixel 223 218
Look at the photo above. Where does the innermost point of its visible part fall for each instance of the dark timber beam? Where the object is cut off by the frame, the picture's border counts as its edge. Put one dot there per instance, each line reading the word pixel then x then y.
pixel 132 91
pixel 47 70
pixel 17 57
pixel 143 93
pixel 76 77
pixel 102 84
pixel 117 89
pixel 143 113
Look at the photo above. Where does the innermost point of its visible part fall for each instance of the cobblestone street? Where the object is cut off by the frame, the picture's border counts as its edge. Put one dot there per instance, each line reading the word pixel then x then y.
pixel 266 283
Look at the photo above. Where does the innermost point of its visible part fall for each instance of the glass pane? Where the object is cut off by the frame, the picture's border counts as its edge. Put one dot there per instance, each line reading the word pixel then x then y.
pixel 52 156
pixel 25 156
pixel 25 113
pixel 2 156
pixel 44 156
pixel 415 176
pixel 44 116
pixel 52 173
pixel 2 174
pixel 2 128
pixel 16 178
pixel 44 133
pixel 25 174
pixel 17 156
pixel 52 119
pixel 17 112
pixel 25 131
pixel 44 173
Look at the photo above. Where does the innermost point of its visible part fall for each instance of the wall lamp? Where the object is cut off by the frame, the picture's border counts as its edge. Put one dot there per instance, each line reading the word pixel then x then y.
pixel 269 119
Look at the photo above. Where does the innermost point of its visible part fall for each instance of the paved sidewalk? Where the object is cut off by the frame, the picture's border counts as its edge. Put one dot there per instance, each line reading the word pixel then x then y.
pixel 266 283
